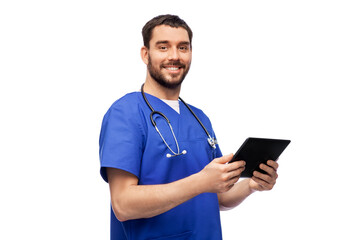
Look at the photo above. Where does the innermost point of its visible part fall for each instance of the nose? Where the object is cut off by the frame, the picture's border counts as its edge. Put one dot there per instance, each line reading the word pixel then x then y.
pixel 173 54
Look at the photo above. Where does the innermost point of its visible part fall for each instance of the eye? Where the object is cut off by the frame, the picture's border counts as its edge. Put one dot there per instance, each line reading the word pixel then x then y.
pixel 184 48
pixel 163 47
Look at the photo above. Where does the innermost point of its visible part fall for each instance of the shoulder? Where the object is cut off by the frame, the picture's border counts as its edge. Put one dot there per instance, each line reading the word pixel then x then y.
pixel 126 100
pixel 127 110
pixel 127 105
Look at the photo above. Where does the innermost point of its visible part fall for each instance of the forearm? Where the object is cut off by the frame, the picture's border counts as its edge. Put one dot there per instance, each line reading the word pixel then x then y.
pixel 145 201
pixel 132 201
pixel 236 195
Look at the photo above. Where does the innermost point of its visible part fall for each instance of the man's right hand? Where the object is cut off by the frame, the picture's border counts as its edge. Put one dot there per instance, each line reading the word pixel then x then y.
pixel 220 176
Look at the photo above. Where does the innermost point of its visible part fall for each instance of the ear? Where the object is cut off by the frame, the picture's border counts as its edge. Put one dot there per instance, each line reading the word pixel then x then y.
pixel 145 55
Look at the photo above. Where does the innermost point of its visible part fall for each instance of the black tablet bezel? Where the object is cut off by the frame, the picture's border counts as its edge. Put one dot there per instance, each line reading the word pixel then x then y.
pixel 255 151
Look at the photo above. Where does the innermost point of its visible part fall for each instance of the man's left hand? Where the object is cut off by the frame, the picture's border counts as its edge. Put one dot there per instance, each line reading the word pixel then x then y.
pixel 264 182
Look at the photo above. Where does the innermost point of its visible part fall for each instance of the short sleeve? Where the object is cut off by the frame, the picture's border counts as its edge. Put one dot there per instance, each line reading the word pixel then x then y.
pixel 121 139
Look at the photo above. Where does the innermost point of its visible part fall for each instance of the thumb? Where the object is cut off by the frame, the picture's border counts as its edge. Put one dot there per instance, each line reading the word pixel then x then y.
pixel 224 159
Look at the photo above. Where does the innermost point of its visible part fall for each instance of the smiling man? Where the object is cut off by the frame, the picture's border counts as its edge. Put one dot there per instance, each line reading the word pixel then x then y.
pixel 169 57
pixel 167 176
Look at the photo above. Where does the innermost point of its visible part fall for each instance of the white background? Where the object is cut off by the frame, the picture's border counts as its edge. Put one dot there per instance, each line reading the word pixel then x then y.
pixel 277 69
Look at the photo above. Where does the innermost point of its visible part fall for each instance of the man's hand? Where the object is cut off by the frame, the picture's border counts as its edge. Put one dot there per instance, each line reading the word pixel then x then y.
pixel 263 182
pixel 218 176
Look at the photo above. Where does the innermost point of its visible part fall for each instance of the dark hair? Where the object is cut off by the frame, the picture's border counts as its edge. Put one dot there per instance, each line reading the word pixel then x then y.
pixel 169 20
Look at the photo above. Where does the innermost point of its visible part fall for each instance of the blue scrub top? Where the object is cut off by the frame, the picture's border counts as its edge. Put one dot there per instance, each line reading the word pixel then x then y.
pixel 128 141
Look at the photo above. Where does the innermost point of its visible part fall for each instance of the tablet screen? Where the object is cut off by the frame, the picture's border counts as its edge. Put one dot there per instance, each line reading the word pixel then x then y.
pixel 255 151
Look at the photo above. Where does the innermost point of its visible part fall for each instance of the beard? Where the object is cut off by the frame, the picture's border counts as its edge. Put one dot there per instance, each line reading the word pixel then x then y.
pixel 161 79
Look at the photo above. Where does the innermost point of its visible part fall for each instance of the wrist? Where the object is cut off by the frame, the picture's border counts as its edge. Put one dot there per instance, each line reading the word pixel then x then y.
pixel 251 187
pixel 198 179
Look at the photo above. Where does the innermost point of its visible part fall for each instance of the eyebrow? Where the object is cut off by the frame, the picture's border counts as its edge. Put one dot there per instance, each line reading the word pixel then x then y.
pixel 166 42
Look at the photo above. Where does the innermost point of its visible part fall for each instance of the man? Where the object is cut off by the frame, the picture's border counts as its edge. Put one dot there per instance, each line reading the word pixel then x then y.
pixel 169 184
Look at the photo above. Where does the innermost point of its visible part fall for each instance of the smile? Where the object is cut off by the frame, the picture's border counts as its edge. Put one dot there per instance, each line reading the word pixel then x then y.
pixel 173 68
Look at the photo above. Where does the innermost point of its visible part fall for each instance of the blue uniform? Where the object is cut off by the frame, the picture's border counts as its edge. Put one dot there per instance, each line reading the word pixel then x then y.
pixel 128 141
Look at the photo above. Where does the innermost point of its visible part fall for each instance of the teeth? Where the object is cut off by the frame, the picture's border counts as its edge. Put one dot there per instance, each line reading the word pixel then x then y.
pixel 172 68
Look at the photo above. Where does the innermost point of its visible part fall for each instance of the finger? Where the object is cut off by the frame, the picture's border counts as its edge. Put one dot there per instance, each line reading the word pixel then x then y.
pixel 236 173
pixel 269 170
pixel 273 164
pixel 229 176
pixel 264 177
pixel 233 180
pixel 235 165
pixel 263 184
pixel 224 159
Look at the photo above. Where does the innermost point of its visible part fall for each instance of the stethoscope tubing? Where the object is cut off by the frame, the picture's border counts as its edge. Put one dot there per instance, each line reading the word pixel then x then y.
pixel 211 141
pixel 192 112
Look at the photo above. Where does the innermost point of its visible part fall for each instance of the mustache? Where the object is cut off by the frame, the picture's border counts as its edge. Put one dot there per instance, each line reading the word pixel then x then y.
pixel 173 63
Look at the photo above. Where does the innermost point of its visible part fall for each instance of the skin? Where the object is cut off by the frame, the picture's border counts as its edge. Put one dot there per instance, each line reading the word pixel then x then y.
pixel 168 47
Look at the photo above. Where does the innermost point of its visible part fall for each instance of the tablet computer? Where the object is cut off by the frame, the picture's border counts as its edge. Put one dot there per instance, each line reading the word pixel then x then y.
pixel 255 151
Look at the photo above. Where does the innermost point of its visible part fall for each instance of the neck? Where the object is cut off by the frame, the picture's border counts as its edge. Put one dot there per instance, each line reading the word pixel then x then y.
pixel 157 90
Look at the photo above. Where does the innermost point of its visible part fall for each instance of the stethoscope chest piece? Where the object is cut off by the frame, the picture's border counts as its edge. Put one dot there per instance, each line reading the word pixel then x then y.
pixel 212 142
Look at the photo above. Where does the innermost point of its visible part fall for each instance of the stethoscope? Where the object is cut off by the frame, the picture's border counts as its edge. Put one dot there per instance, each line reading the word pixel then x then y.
pixel 211 140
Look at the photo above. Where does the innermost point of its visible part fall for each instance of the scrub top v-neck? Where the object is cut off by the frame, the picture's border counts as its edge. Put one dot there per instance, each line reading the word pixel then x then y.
pixel 128 141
